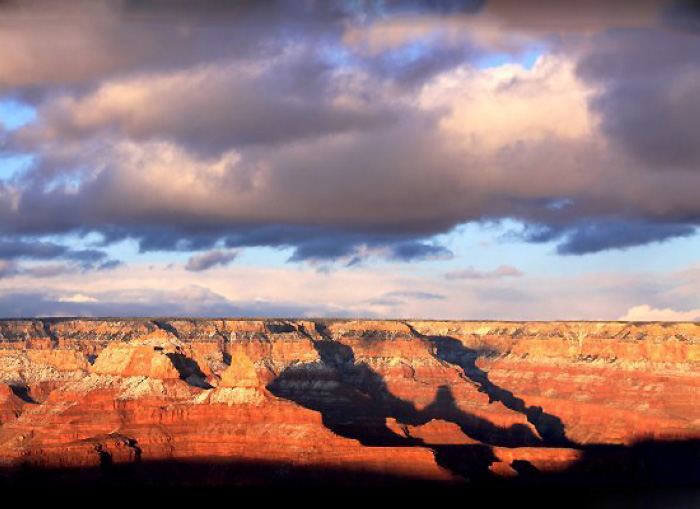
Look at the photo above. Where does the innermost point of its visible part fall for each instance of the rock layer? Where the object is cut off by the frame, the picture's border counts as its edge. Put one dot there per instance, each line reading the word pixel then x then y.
pixel 457 402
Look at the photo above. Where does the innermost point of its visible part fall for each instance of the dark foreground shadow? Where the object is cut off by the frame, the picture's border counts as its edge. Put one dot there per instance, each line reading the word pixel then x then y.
pixel 595 481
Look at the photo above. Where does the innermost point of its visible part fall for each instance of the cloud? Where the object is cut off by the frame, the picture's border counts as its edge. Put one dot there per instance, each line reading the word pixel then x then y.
pixel 79 298
pixel 38 250
pixel 12 269
pixel 354 249
pixel 507 24
pixel 108 38
pixel 411 251
pixel 371 185
pixel 234 105
pixel 578 16
pixel 414 295
pixel 187 301
pixel 395 301
pixel 594 236
pixel 684 15
pixel 294 291
pixel 471 273
pixel 12 249
pixel 79 259
pixel 211 259
pixel 200 131
pixel 344 132
pixel 648 94
pixel 646 313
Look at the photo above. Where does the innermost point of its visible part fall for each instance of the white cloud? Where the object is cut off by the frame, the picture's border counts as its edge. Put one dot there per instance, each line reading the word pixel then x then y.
pixel 646 313
pixel 492 108
pixel 360 291
pixel 77 298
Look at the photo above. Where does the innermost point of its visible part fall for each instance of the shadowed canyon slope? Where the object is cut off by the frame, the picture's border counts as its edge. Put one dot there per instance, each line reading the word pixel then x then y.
pixel 346 402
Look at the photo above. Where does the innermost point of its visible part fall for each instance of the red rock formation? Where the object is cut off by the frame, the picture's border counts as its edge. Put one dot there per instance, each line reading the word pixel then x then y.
pixel 10 404
pixel 449 401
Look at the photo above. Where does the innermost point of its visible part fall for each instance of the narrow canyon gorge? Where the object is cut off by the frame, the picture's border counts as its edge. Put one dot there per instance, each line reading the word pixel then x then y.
pixel 342 402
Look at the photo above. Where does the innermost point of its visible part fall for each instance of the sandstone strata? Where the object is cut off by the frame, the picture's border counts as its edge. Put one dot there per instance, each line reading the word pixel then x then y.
pixel 434 401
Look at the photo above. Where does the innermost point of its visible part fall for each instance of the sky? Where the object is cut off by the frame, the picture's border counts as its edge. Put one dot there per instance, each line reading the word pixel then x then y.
pixel 436 159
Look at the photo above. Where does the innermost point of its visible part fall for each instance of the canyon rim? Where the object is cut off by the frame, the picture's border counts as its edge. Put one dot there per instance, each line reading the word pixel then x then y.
pixel 204 402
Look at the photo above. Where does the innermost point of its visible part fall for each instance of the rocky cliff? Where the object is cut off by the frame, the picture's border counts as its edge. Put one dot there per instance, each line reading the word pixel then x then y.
pixel 289 401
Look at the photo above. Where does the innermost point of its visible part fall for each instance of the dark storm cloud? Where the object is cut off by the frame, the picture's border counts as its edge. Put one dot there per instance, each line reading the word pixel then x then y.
pixel 10 249
pixel 100 39
pixel 309 243
pixel 79 260
pixel 164 238
pixel 412 251
pixel 117 37
pixel 186 125
pixel 594 236
pixel 86 256
pixel 226 108
pixel 38 250
pixel 600 236
pixel 356 247
pixel 648 94
pixel 326 248
pixel 683 14
pixel 324 10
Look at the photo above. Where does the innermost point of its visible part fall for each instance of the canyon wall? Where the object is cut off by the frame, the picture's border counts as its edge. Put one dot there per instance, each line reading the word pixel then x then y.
pixel 351 402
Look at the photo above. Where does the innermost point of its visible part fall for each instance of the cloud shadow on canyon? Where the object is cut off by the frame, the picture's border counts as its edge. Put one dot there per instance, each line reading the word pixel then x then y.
pixel 355 402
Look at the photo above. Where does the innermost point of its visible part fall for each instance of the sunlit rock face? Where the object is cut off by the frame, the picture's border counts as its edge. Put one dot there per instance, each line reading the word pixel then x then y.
pixel 348 402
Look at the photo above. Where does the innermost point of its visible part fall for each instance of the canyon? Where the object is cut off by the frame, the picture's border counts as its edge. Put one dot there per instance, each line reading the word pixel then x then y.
pixel 348 402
